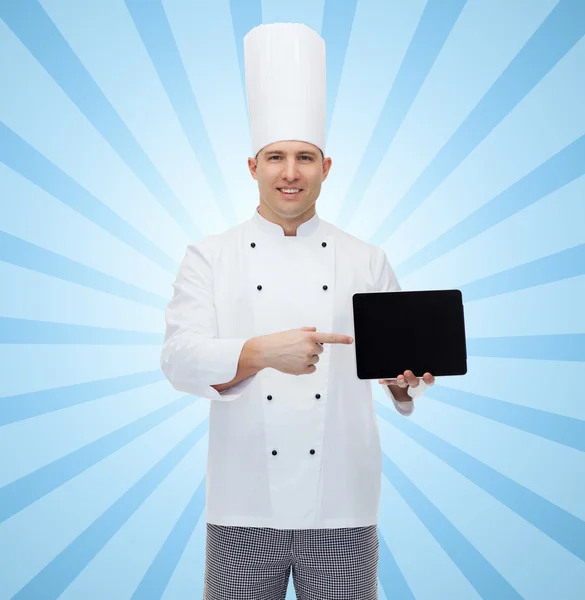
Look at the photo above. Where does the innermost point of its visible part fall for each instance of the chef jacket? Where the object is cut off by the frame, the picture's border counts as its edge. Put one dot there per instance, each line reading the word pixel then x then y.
pixel 285 451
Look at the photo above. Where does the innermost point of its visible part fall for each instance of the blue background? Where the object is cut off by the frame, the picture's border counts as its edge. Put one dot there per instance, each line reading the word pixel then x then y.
pixel 457 133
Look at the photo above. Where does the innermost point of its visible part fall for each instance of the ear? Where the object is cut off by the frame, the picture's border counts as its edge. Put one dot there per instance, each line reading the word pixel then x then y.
pixel 326 166
pixel 253 165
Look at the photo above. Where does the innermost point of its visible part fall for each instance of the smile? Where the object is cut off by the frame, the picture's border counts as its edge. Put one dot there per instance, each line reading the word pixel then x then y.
pixel 290 192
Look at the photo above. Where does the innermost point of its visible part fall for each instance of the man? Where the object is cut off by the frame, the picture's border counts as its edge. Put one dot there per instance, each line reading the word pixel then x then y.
pixel 261 324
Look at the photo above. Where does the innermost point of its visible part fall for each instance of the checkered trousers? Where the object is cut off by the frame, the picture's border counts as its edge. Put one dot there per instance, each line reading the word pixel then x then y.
pixel 254 563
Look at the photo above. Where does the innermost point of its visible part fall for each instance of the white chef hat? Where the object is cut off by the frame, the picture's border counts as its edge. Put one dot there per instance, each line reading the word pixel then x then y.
pixel 285 84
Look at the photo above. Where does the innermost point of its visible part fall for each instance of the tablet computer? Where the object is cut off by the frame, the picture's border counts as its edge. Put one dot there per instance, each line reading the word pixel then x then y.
pixel 423 331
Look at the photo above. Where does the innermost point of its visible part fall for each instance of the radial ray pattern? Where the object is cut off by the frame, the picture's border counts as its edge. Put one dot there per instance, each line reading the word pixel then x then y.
pixel 457 133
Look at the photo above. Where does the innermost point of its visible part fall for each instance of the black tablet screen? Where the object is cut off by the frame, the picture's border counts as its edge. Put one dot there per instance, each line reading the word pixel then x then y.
pixel 423 331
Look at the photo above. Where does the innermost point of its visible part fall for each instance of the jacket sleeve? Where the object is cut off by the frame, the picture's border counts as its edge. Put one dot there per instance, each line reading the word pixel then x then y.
pixel 384 276
pixel 193 358
pixel 386 281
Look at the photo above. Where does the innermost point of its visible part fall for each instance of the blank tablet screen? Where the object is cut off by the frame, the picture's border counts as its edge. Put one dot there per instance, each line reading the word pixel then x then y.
pixel 423 331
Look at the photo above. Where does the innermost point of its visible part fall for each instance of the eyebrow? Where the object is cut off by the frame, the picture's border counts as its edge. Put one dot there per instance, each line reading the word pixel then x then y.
pixel 299 153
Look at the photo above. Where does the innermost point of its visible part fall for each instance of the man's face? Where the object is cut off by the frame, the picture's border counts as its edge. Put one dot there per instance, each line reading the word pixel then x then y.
pixel 289 165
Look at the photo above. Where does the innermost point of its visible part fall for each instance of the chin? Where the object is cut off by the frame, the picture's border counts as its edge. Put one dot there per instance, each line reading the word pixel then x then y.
pixel 294 211
pixel 288 208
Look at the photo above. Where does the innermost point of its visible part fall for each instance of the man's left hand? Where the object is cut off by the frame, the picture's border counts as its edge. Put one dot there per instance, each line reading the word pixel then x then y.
pixel 407 379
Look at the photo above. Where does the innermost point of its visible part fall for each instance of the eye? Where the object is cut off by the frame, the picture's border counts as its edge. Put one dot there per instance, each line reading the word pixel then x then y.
pixel 308 157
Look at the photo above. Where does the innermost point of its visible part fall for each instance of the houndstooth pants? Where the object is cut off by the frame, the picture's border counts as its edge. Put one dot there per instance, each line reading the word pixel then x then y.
pixel 254 563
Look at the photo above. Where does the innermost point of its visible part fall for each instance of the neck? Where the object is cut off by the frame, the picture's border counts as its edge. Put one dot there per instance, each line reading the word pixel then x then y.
pixel 289 225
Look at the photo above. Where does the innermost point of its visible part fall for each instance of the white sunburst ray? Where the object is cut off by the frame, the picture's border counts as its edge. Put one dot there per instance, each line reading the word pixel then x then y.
pixel 530 135
pixel 538 464
pixel 190 570
pixel 427 568
pixel 376 48
pixel 38 367
pixel 533 233
pixel 381 593
pixel 548 226
pixel 401 160
pixel 65 137
pixel 75 505
pixel 67 306
pixel 532 314
pixel 69 303
pixel 522 381
pixel 511 245
pixel 391 581
pixel 452 89
pixel 554 308
pixel 185 531
pixel 309 12
pixel 60 432
pixel 30 404
pixel 547 308
pixel 393 176
pixel 529 307
pixel 129 79
pixel 488 524
pixel 51 385
pixel 436 519
pixel 152 524
pixel 205 40
pixel 74 237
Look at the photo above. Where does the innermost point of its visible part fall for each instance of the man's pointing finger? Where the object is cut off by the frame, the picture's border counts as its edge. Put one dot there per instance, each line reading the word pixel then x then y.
pixel 331 338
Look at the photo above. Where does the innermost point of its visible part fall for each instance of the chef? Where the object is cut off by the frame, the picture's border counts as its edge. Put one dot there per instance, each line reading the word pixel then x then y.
pixel 261 323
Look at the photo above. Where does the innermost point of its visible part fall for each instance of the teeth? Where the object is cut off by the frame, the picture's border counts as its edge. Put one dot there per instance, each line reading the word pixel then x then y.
pixel 289 191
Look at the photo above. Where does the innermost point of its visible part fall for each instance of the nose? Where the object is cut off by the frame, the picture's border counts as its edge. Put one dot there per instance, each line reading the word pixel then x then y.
pixel 290 170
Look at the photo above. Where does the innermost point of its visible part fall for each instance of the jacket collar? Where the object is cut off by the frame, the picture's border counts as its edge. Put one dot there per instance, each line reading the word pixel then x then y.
pixel 303 230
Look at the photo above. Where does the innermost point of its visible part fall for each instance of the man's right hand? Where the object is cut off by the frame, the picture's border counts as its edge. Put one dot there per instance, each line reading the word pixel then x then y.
pixel 296 351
